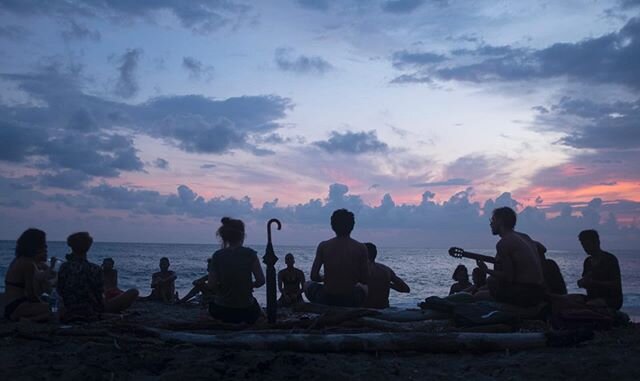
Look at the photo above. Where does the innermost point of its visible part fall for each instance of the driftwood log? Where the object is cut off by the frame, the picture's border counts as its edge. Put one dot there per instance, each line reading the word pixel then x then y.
pixel 389 314
pixel 376 342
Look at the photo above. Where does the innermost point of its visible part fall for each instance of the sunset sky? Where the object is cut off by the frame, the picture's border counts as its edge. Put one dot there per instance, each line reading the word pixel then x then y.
pixel 148 121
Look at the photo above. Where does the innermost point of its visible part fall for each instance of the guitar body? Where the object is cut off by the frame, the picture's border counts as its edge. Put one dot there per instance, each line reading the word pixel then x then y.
pixel 457 252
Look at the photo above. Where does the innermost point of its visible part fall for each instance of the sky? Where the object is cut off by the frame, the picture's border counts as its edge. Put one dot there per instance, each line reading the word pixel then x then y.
pixel 149 121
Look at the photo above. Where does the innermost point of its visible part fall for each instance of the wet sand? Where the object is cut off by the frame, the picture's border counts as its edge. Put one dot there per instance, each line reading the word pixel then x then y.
pixel 26 354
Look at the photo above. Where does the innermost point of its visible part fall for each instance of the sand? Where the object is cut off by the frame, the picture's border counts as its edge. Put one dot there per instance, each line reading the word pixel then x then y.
pixel 110 350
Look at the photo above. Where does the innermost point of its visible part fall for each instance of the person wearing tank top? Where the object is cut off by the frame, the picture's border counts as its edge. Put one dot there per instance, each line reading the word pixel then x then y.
pixel 234 271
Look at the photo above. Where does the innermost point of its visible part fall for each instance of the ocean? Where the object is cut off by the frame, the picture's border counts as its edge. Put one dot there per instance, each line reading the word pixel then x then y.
pixel 426 271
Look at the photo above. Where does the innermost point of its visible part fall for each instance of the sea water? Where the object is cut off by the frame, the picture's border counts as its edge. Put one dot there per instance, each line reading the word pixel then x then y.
pixel 427 271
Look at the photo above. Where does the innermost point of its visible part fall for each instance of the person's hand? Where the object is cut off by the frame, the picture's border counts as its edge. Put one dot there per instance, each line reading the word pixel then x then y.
pixel 584 282
pixel 482 266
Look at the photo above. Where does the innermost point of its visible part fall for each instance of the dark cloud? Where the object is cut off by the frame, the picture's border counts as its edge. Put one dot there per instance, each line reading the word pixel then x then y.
pixel 353 143
pixel 196 68
pixel 593 125
pixel 13 32
pixel 201 16
pixel 127 83
pixel 627 4
pixel 76 31
pixel 405 59
pixel 95 155
pixel 318 5
pixel 301 64
pixel 17 142
pixel 161 163
pixel 401 6
pixel 69 129
pixel 203 125
pixel 208 166
pixel 611 58
pixel 412 78
pixel 446 183
pixel 65 179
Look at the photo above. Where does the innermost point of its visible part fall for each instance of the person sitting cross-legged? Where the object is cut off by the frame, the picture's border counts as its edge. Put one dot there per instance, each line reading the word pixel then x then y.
pixel 81 284
pixel 346 266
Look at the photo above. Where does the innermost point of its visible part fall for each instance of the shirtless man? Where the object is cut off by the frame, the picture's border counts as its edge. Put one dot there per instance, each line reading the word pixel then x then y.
pixel 381 280
pixel 517 276
pixel 163 283
pixel 290 283
pixel 601 272
pixel 346 267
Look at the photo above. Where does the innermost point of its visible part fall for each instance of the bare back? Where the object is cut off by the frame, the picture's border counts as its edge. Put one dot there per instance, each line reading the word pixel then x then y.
pixel 519 259
pixel 345 264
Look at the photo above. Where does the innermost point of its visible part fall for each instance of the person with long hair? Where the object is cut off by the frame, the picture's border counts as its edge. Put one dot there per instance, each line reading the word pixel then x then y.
pixel 21 297
pixel 234 271
pixel 461 276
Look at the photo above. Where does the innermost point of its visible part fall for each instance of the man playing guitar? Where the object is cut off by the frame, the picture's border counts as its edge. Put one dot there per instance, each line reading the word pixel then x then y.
pixel 516 277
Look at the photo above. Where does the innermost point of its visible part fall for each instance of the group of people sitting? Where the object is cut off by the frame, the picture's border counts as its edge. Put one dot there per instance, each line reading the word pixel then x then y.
pixel 344 273
pixel 523 276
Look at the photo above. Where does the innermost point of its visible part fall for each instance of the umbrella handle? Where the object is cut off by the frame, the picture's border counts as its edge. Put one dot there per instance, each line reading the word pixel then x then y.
pixel 269 227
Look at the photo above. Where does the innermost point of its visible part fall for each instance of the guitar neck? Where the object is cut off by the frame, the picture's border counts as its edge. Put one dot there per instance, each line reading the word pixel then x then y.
pixel 478 257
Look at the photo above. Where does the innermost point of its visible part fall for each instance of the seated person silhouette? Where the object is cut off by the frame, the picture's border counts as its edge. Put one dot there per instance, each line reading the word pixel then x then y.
pixel 479 279
pixel 345 263
pixel 200 286
pixel 290 283
pixel 516 277
pixel 110 280
pixel 22 301
pixel 381 280
pixel 81 286
pixel 163 283
pixel 461 276
pixel 601 272
pixel 553 280
pixel 234 271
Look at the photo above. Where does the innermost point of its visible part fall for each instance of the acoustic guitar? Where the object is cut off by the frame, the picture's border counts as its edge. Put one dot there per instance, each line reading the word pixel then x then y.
pixel 457 252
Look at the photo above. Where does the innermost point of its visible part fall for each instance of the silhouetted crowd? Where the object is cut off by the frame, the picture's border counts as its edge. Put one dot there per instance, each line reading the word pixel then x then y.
pixel 344 273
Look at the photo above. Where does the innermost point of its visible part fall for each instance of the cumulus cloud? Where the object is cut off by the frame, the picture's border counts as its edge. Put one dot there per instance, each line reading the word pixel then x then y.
pixel 611 58
pixel 197 69
pixel 460 220
pixel 201 16
pixel 127 83
pixel 353 143
pixel 402 6
pixel 287 61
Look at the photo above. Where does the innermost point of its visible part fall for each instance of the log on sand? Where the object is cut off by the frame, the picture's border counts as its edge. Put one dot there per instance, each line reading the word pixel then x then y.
pixel 389 314
pixel 375 342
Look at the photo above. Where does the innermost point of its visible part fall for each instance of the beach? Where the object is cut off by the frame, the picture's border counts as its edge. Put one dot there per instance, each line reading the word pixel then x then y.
pixel 30 352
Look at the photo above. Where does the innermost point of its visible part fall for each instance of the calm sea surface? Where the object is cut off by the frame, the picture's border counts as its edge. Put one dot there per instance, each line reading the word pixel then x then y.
pixel 427 271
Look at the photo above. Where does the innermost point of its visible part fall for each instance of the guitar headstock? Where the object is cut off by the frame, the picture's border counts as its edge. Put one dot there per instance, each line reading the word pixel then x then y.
pixel 456 252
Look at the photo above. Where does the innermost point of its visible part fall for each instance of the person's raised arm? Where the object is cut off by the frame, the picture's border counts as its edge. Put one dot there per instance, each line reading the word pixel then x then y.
pixel 503 269
pixel 317 264
pixel 257 273
pixel 398 284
